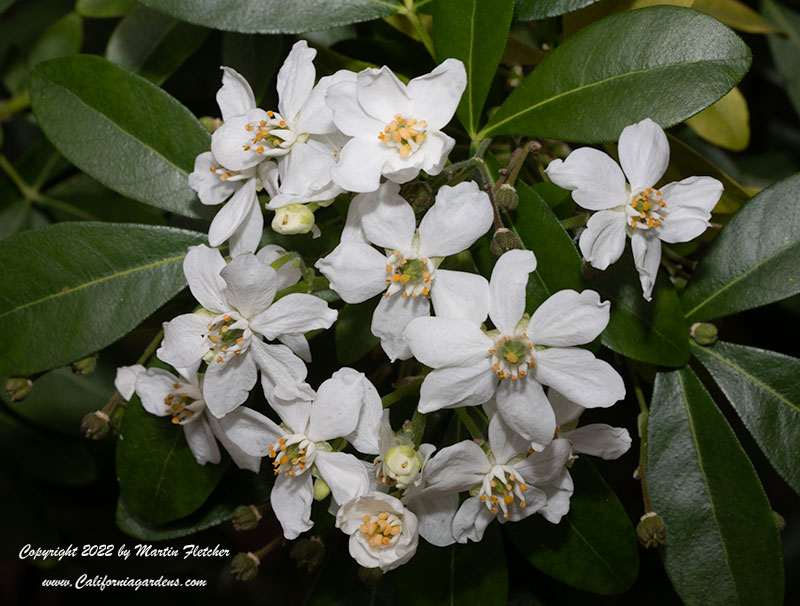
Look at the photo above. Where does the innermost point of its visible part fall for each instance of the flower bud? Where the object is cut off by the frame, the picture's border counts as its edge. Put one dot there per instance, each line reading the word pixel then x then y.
pixel 402 464
pixel 703 333
pixel 308 552
pixel 321 489
pixel 245 566
pixel 246 517
pixel 85 365
pixel 95 425
pixel 780 522
pixel 419 195
pixel 503 241
pixel 18 388
pixel 210 124
pixel 293 219
pixel 506 197
pixel 651 530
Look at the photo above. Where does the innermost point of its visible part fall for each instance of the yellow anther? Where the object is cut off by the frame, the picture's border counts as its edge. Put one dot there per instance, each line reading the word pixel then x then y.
pixel 511 357
pixel 508 499
pixel 176 420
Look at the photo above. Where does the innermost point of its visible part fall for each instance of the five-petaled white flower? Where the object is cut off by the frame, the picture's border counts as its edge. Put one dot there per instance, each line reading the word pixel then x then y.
pixel 395 128
pixel 517 358
pixel 407 268
pixel 383 533
pixel 238 311
pixel 678 212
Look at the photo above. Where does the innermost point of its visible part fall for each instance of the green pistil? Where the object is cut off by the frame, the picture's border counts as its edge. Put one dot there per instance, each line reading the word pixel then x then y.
pixel 414 270
pixel 513 351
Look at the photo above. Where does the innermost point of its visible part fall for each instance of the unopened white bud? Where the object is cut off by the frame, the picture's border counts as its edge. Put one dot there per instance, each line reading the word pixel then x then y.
pixel 293 219
pixel 402 464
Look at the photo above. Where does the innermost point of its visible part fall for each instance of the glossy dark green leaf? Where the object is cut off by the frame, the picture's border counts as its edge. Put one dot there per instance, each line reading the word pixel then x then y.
pixel 474 573
pixel 753 261
pixel 159 478
pixel 94 283
pixel 256 57
pixel 722 545
pixel 533 10
pixel 604 77
pixel 474 32
pixel 354 338
pixel 153 45
pixel 273 16
pixel 24 22
pixel 121 129
pixel 653 331
pixel 558 261
pixel 762 387
pixel 18 215
pixel 785 49
pixel 240 487
pixel 62 38
pixel 100 9
pixel 593 548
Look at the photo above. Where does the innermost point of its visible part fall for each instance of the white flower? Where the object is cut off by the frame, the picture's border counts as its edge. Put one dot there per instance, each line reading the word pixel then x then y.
pixel 677 212
pixel 238 311
pixel 407 268
pixel 515 360
pixel 383 533
pixel 597 439
pixel 346 405
pixel 396 129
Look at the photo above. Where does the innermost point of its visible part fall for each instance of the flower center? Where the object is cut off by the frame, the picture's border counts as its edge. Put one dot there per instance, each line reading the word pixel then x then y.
pixel 228 336
pixel 511 356
pixel 411 276
pixel 184 403
pixel 499 488
pixel 645 209
pixel 381 530
pixel 292 454
pixel 231 175
pixel 404 134
pixel 271 137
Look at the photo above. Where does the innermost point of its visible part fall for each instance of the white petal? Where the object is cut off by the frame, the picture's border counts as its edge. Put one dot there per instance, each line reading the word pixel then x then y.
pixel 298 344
pixel 248 236
pixel 291 501
pixel 382 95
pixel 288 273
pixel 201 268
pixel 646 249
pixel 438 342
pixel 507 288
pixel 599 440
pixel 541 468
pixel 125 381
pixel 304 170
pixel 233 214
pixel 523 406
pixel 643 154
pixel 579 376
pixel 436 95
pixel 337 407
pixel 184 340
pixel 689 203
pixel 436 147
pixel 235 98
pixel 360 165
pixel 227 384
pixel 345 474
pixel 201 442
pixel 456 468
pixel 535 499
pixel 295 80
pixel 282 373
pixel 359 206
pixel 230 139
pixel 366 434
pixel 391 317
pixel 430 157
pixel 505 443
pixel 603 240
pixel 296 313
pixel 566 410
pixel 152 387
pixel 250 285
pixel 457 386
pixel 460 216
pixel 390 223
pixel 471 520
pixel 356 271
pixel 315 115
pixel 457 294
pixel 569 318
pixel 558 495
pixel 246 431
pixel 294 413
pixel 435 514
pixel 596 181
pixel 209 187
pixel 348 115
pixel 269 174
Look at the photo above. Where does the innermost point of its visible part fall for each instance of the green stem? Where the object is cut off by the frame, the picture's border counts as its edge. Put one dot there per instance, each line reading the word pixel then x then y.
pixel 269 547
pixel 43 200
pixel 467 421
pixel 642 425
pixel 12 173
pixel 637 386
pixel 319 283
pixel 487 179
pixel 576 221
pixel 15 104
pixel 407 389
pixel 413 18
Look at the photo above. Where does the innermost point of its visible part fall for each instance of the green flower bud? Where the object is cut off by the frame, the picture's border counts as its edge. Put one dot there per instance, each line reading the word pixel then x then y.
pixel 402 464
pixel 506 197
pixel 85 365
pixel 651 530
pixel 703 333
pixel 321 489
pixel 780 522
pixel 503 241
pixel 246 517
pixel 18 388
pixel 293 219
pixel 245 566
pixel 308 552
pixel 95 425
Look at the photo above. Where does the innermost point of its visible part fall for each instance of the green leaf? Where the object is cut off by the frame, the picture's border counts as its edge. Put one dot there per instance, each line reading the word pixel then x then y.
pixel 273 16
pixel 153 45
pixel 604 78
pixel 762 387
pixel 100 9
pixel 121 129
pixel 753 261
pixel 654 331
pixel 474 32
pixel 62 38
pixel 354 338
pixel 237 488
pixel 474 573
pixel 785 49
pixel 593 548
pixel 722 543
pixel 94 283
pixel 735 14
pixel 159 478
pixel 534 10
pixel 725 123
pixel 558 263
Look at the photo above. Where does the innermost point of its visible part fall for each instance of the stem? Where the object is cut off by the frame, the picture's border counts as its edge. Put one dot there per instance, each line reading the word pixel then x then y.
pixel 576 221
pixel 12 173
pixel 319 283
pixel 498 222
pixel 413 18
pixel 401 392
pixel 15 104
pixel 268 547
pixel 642 425
pixel 637 387
pixel 464 417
